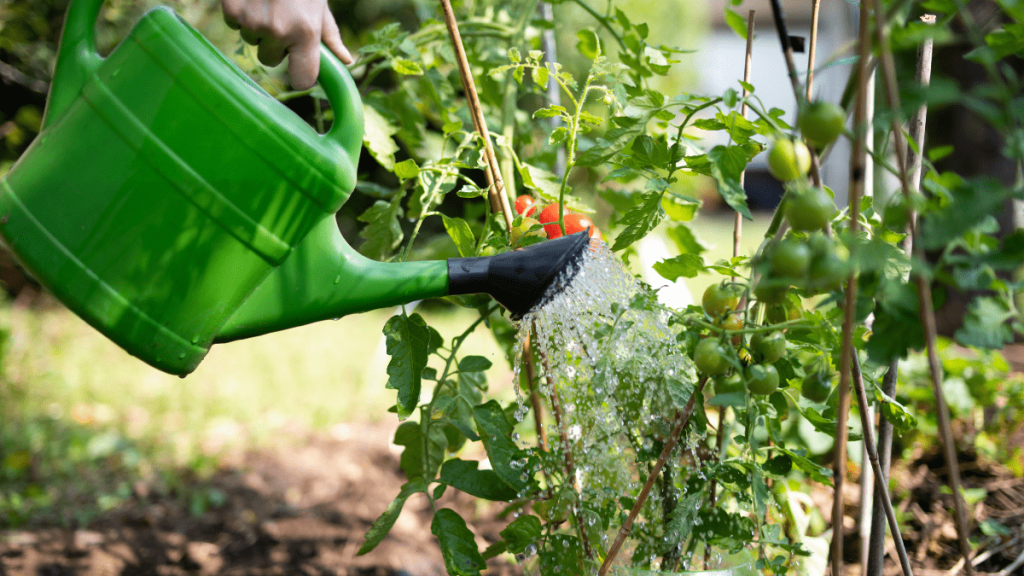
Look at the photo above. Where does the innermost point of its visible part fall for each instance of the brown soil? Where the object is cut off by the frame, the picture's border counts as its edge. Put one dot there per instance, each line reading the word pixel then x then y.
pixel 305 510
pixel 302 510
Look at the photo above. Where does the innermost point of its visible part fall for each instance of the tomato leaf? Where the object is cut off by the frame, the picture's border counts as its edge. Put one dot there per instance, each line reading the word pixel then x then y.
pixel 460 233
pixel 727 163
pixel 461 556
pixel 640 220
pixel 496 434
pixel 685 265
pixel 522 532
pixel 383 233
pixel 382 525
pixel 408 344
pixel 816 472
pixel 377 133
pixel 985 324
pixel 589 44
pixel 463 474
pixel 407 169
pixel 474 364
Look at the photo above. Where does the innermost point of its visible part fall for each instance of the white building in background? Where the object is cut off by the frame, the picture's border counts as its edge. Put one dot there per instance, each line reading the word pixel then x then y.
pixel 722 58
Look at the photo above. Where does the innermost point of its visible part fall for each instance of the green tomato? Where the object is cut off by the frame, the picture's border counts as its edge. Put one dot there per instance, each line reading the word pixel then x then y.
pixel 790 259
pixel 729 385
pixel 789 159
pixel 821 122
pixel 769 346
pixel 816 386
pixel 809 209
pixel 720 299
pixel 830 269
pixel 768 291
pixel 711 357
pixel 789 309
pixel 761 379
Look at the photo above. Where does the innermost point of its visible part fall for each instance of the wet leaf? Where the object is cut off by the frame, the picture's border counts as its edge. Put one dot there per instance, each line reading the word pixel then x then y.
pixel 461 556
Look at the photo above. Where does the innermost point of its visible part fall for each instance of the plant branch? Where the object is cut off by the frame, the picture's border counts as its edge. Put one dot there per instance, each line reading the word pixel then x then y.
pixel 881 482
pixel 682 419
pixel 858 159
pixel 496 189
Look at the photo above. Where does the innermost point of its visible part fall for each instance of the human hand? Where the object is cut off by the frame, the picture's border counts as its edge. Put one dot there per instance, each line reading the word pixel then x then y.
pixel 288 27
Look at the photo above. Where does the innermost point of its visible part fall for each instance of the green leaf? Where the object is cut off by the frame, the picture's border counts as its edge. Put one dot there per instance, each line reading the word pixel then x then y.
pixel 986 324
pixel 553 111
pixel 461 557
pixel 680 209
pixel 431 188
pixel 685 265
pixel 443 405
pixel 736 22
pixel 540 76
pixel 496 434
pixel 463 474
pixel 407 169
pixel 522 532
pixel 408 344
pixel 730 530
pixel 640 220
pixel 383 232
pixel 406 67
pixel 474 364
pixel 778 465
pixel 685 240
pixel 382 525
pixel 897 414
pixel 971 202
pixel 727 163
pixel 460 233
pixel 589 44
pixel 897 327
pixel 816 472
pixel 377 133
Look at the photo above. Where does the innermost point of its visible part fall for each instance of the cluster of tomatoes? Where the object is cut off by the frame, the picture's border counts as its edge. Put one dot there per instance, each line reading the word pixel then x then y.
pixel 722 304
pixel 546 223
pixel 807 258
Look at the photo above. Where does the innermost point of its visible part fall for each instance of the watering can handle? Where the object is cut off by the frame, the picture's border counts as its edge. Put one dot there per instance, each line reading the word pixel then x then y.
pixel 77 60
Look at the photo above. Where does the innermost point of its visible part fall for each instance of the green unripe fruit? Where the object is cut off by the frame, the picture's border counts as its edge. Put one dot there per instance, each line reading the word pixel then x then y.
pixel 821 123
pixel 790 259
pixel 816 386
pixel 769 346
pixel 761 379
pixel 710 357
pixel 809 209
pixel 789 159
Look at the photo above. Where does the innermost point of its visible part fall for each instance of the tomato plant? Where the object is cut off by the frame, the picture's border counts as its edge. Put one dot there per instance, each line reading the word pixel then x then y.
pixel 772 320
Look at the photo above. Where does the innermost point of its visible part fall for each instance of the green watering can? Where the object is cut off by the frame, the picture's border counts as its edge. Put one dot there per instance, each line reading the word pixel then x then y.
pixel 173 204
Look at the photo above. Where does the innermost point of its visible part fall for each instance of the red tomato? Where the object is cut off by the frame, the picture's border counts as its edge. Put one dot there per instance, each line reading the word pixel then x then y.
pixel 578 222
pixel 549 218
pixel 526 205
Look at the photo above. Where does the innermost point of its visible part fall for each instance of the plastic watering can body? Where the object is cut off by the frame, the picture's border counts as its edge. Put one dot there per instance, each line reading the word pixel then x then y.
pixel 166 186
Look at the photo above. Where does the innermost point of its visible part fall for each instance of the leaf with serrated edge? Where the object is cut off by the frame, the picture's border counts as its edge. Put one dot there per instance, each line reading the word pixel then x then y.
pixel 407 339
pixel 382 525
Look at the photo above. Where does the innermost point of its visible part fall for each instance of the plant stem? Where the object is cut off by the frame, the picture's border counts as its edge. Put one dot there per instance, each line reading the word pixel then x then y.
pixel 682 419
pixel 881 484
pixel 787 51
pixel 858 159
pixel 924 297
pixel 811 51
pixel 496 189
pixel 885 429
pixel 531 378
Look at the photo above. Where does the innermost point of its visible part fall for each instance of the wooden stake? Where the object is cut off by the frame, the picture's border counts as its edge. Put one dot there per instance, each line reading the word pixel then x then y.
pixel 496 189
pixel 815 8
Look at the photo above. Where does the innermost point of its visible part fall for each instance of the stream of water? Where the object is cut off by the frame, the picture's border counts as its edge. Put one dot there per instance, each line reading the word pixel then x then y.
pixel 612 374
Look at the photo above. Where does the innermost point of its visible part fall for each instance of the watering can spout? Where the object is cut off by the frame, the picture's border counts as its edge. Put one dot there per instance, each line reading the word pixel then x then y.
pixel 325 278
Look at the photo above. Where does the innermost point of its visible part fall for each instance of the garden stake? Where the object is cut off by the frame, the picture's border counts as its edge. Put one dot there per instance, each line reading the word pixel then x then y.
pixel 885 429
pixel 881 481
pixel 682 419
pixel 815 9
pixel 924 297
pixel 496 190
pixel 858 159
pixel 867 495
pixel 787 51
